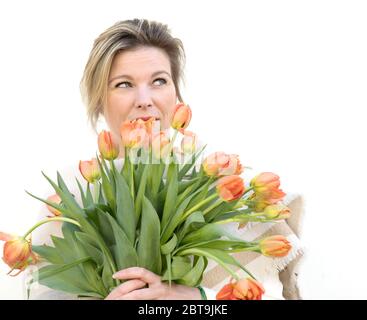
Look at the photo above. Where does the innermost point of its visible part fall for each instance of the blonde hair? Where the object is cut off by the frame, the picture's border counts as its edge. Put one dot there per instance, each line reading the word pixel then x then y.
pixel 126 35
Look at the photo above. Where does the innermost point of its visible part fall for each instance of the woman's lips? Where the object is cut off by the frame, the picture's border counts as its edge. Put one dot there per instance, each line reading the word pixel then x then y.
pixel 147 118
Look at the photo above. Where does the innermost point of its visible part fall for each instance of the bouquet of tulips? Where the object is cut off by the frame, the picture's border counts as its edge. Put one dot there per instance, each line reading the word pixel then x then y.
pixel 157 211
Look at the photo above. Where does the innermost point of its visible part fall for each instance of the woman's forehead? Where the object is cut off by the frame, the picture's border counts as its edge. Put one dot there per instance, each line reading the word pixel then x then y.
pixel 146 59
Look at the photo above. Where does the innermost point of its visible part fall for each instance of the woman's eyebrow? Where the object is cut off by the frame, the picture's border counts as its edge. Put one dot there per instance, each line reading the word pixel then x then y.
pixel 129 77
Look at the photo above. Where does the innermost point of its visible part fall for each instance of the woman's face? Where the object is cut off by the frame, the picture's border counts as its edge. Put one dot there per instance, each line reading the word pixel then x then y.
pixel 140 85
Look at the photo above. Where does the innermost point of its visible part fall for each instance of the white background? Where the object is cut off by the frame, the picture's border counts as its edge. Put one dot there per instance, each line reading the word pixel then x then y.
pixel 281 83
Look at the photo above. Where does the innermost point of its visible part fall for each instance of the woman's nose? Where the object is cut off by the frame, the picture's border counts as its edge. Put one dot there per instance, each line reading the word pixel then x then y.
pixel 143 105
pixel 143 99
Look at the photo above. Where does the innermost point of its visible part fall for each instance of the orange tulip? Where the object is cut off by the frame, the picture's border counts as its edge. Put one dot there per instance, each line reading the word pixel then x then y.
pixel 108 148
pixel 233 166
pixel 277 212
pixel 17 252
pixel 230 188
pixel 188 142
pixel 136 133
pixel 275 246
pixel 56 199
pixel 222 164
pixel 214 162
pixel 244 289
pixel 266 186
pixel 90 170
pixel 181 116
pixel 161 145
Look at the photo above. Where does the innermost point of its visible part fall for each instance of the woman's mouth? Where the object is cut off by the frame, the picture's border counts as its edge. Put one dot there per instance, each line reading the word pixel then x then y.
pixel 147 118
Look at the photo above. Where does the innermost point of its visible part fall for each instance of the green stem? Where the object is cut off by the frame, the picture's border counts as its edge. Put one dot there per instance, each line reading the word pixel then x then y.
pixel 256 214
pixel 196 207
pixel 213 206
pixel 96 191
pixel 233 274
pixel 131 176
pixel 173 140
pixel 247 190
pixel 241 203
pixel 50 220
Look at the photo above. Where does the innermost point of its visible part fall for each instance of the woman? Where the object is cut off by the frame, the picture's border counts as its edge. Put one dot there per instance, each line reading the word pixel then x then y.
pixel 134 71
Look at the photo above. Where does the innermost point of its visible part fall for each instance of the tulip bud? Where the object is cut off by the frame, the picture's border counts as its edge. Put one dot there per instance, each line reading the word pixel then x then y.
pixel 230 188
pixel 17 252
pixel 277 212
pixel 244 289
pixel 181 116
pixel 226 293
pixel 56 199
pixel 160 145
pixel 107 147
pixel 275 246
pixel 266 186
pixel 135 134
pixel 222 164
pixel 214 162
pixel 188 142
pixel 90 170
pixel 232 167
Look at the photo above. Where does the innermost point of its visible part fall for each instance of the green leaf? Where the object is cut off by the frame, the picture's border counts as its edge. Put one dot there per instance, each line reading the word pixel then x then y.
pixel 190 163
pixel 174 220
pixel 108 185
pixel 63 210
pixel 171 199
pixel 169 268
pixel 89 195
pixel 225 245
pixel 104 227
pixel 48 253
pixel 194 189
pixel 232 215
pixel 74 211
pixel 62 247
pixel 179 267
pixel 193 222
pixel 201 195
pixel 141 191
pixel 89 267
pixel 125 254
pixel 221 257
pixel 82 195
pixel 107 273
pixel 64 278
pixel 208 232
pixel 91 247
pixel 184 184
pixel 149 240
pixel 71 202
pixel 125 211
pixel 193 277
pixel 169 246
pixel 156 176
pixel 222 208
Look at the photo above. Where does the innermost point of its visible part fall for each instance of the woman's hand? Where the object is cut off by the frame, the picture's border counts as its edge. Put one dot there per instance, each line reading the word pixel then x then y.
pixel 134 289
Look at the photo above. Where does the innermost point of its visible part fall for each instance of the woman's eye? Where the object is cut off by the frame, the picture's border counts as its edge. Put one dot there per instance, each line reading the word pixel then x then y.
pixel 124 83
pixel 161 79
pixel 120 83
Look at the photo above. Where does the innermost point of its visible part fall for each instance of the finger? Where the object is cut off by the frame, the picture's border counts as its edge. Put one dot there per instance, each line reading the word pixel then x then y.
pixel 138 272
pixel 142 294
pixel 125 288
